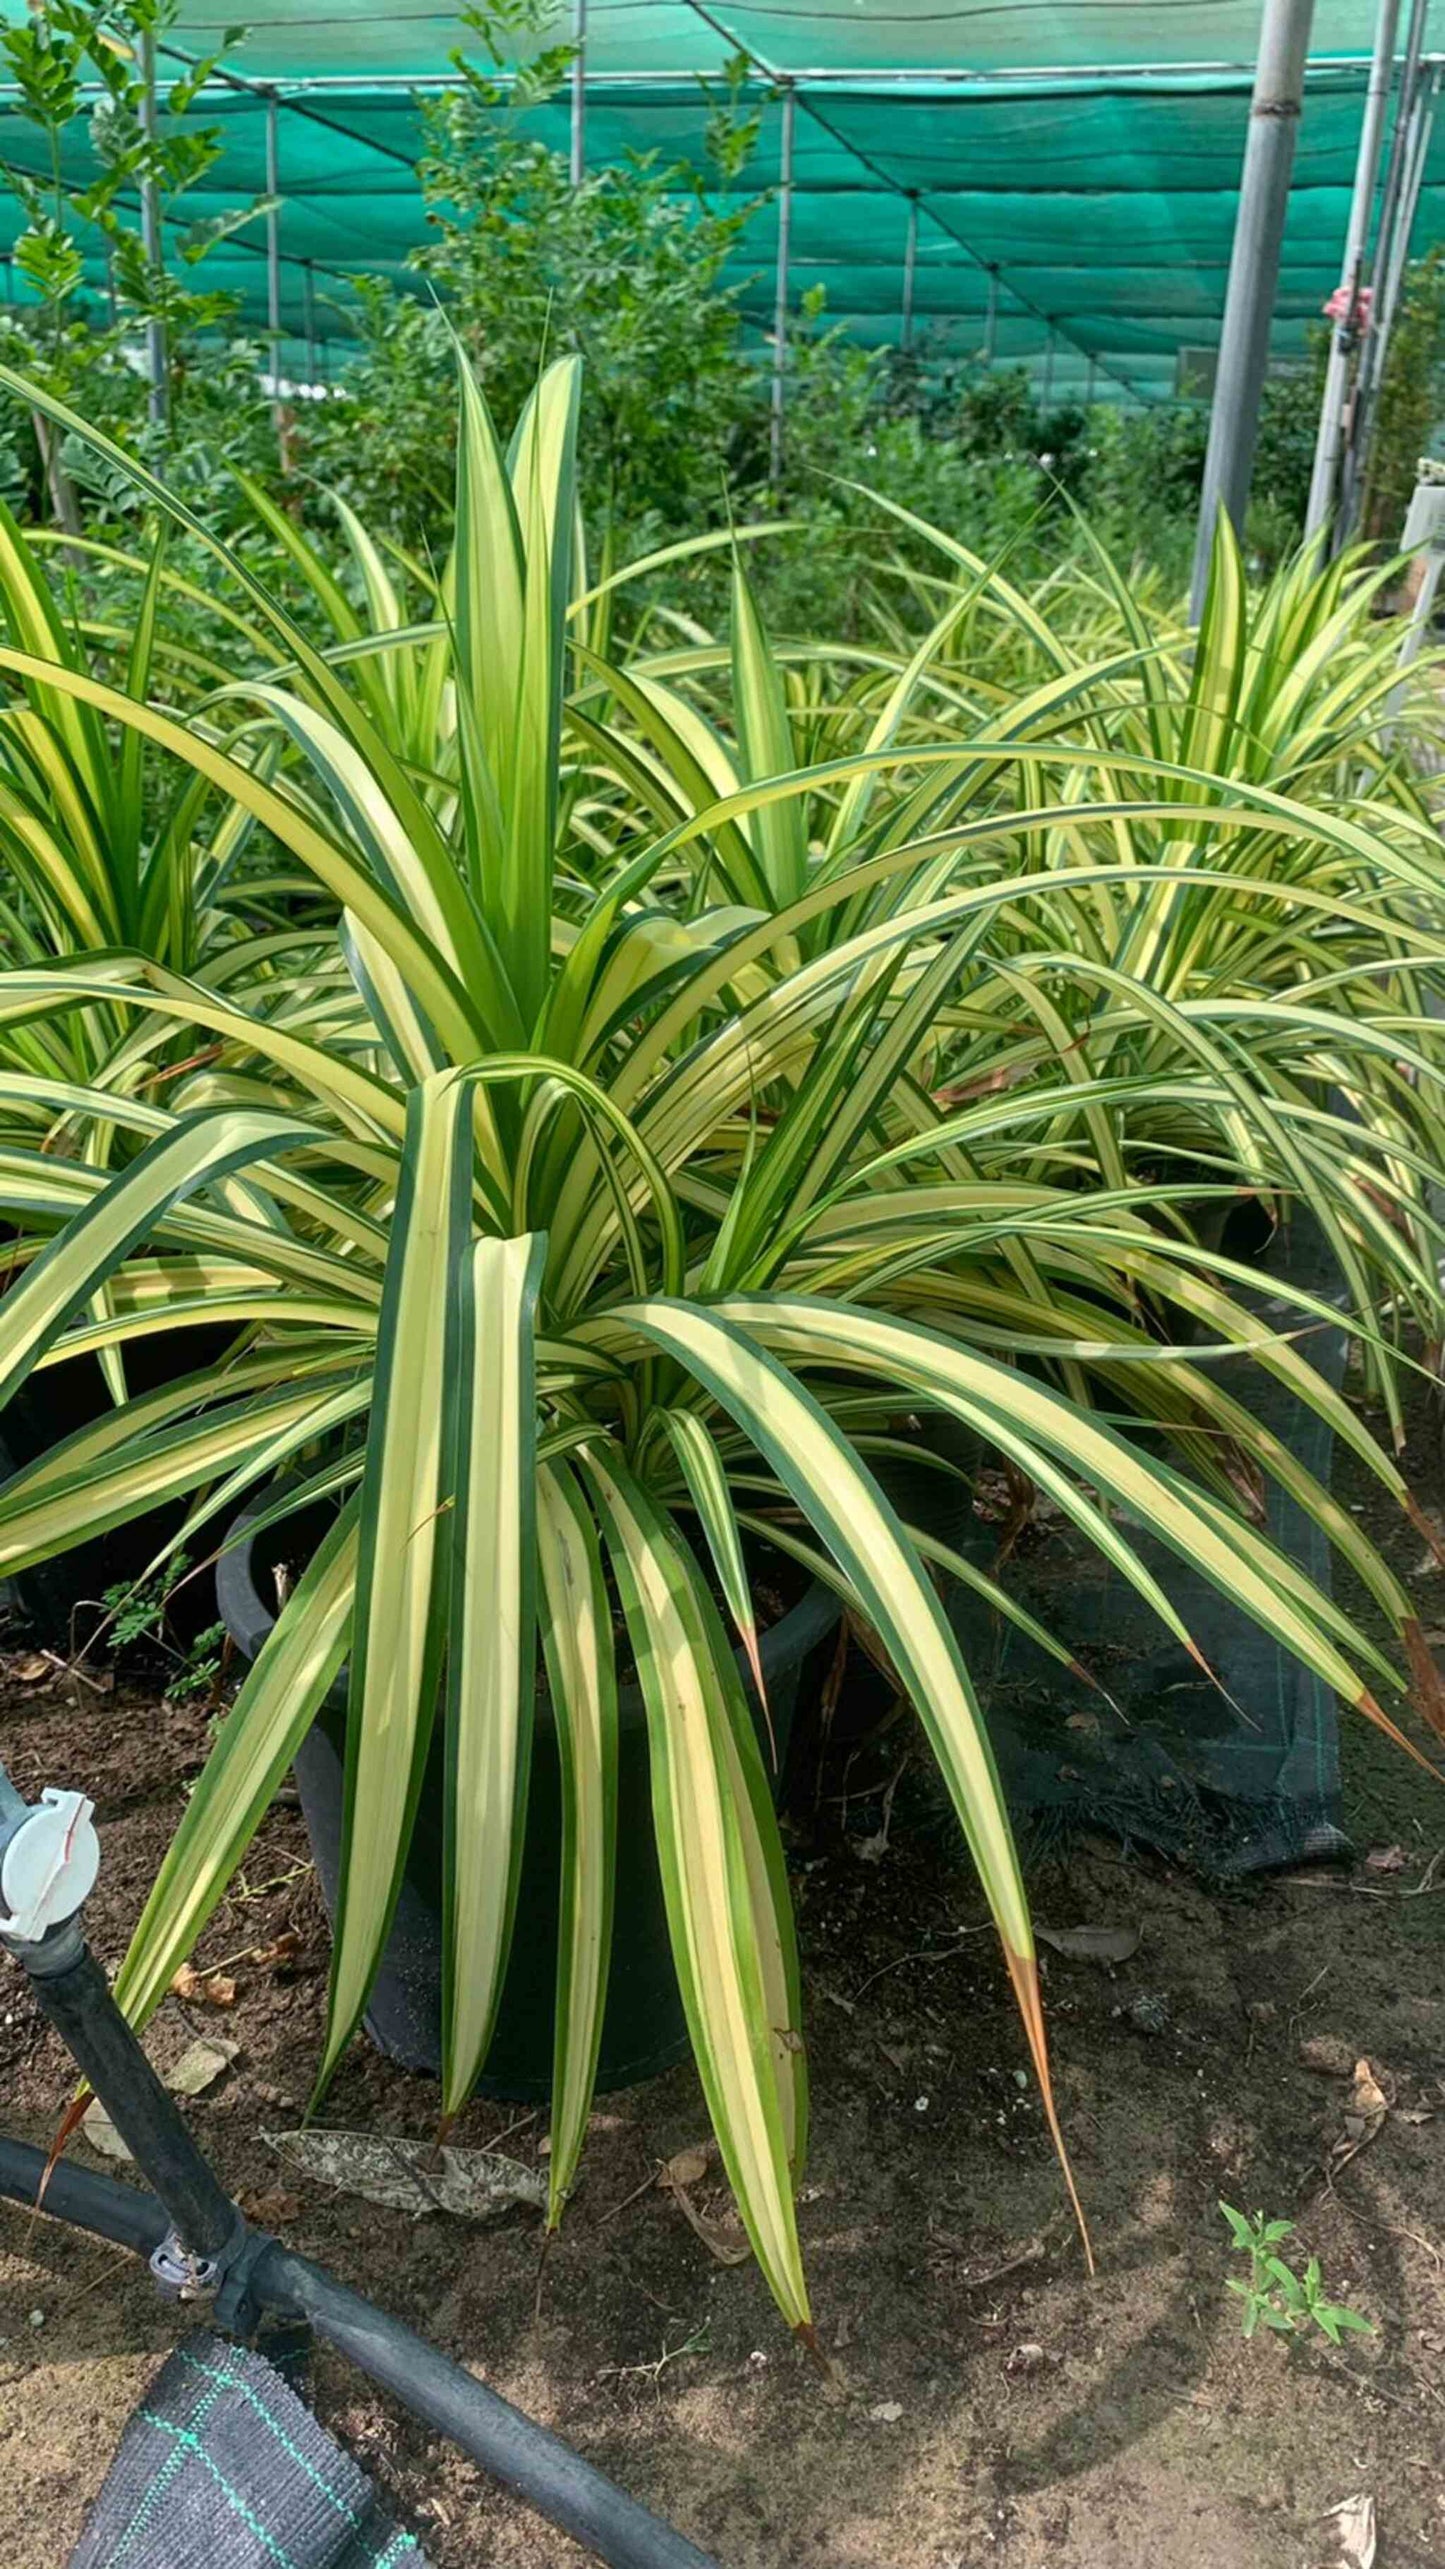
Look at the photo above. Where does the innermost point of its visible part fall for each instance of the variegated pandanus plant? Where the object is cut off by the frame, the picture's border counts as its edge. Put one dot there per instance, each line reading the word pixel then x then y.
pixel 657 1144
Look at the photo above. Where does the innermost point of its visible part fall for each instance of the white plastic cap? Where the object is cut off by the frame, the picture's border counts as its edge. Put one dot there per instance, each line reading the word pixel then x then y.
pixel 49 1867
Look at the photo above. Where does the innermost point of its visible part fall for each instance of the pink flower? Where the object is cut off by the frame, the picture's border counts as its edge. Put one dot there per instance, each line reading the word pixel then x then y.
pixel 1337 309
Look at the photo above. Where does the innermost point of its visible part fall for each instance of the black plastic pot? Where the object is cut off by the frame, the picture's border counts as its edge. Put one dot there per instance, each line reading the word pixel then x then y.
pixel 644 2030
pixel 56 1403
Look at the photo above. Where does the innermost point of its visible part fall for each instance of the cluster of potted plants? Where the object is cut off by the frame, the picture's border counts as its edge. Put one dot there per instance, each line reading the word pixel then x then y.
pixel 569 1109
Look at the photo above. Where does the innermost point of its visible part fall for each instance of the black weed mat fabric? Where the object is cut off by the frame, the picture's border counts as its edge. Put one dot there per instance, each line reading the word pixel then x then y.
pixel 223 2467
pixel 1231 1777
pixel 1235 1777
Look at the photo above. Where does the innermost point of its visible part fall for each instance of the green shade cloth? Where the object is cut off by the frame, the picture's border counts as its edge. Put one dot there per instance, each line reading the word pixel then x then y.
pixel 1086 152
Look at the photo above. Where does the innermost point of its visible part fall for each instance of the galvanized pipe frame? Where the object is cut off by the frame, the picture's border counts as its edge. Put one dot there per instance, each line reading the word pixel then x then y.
pixel 1345 337
pixel 1432 81
pixel 1405 174
pixel 780 297
pixel 273 256
pixel 157 365
pixel 577 159
pixel 910 267
pixel 1275 109
pixel 308 308
pixel 1340 69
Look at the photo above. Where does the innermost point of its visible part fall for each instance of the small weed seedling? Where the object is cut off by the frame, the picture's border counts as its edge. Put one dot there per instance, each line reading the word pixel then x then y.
pixel 1275 2296
pixel 137 1611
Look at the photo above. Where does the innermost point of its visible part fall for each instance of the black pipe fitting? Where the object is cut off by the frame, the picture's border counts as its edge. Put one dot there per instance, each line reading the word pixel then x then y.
pixel 73 1993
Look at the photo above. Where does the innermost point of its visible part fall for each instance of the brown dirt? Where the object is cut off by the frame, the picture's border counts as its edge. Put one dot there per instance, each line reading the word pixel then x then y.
pixel 1146 2432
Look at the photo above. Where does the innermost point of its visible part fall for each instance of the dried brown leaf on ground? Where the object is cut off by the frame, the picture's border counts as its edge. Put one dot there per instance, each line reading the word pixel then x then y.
pixel 1368 2103
pixel 203 1989
pixel 412 2176
pixel 279 1956
pixel 1354 2523
pixel 725 2240
pixel 1366 2107
pixel 1386 1859
pixel 686 2167
pixel 1091 1944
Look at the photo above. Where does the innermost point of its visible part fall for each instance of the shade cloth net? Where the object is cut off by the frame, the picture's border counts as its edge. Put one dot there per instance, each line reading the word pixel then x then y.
pixel 1075 163
pixel 223 2467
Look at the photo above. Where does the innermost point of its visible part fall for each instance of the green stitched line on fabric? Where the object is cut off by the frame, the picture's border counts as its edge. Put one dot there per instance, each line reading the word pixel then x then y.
pixel 254 2401
pixel 164 2477
pixel 187 2439
pixel 396 2549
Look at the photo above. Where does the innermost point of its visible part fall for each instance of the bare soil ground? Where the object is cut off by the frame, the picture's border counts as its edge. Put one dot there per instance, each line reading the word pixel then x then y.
pixel 994 2404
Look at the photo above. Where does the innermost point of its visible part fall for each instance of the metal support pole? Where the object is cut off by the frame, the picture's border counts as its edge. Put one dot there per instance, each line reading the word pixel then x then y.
pixel 1253 274
pixel 780 301
pixel 1046 387
pixel 1397 222
pixel 273 247
pixel 579 92
pixel 308 307
pixel 1090 375
pixel 1345 337
pixel 910 266
pixel 1387 309
pixel 1411 98
pixel 158 404
pixel 990 327
pixel 72 1991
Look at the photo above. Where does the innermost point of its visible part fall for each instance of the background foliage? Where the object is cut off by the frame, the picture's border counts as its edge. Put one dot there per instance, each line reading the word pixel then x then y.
pixel 628 272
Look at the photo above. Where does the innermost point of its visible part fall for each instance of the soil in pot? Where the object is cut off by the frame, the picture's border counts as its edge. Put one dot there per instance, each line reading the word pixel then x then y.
pixel 644 2030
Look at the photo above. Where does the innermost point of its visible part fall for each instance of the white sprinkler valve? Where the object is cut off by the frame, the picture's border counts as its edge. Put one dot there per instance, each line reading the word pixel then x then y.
pixel 49 1866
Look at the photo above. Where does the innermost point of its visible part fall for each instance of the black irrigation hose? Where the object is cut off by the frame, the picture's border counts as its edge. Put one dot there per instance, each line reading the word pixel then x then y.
pixel 112 2210
pixel 512 2447
pixel 74 1995
pixel 538 2466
